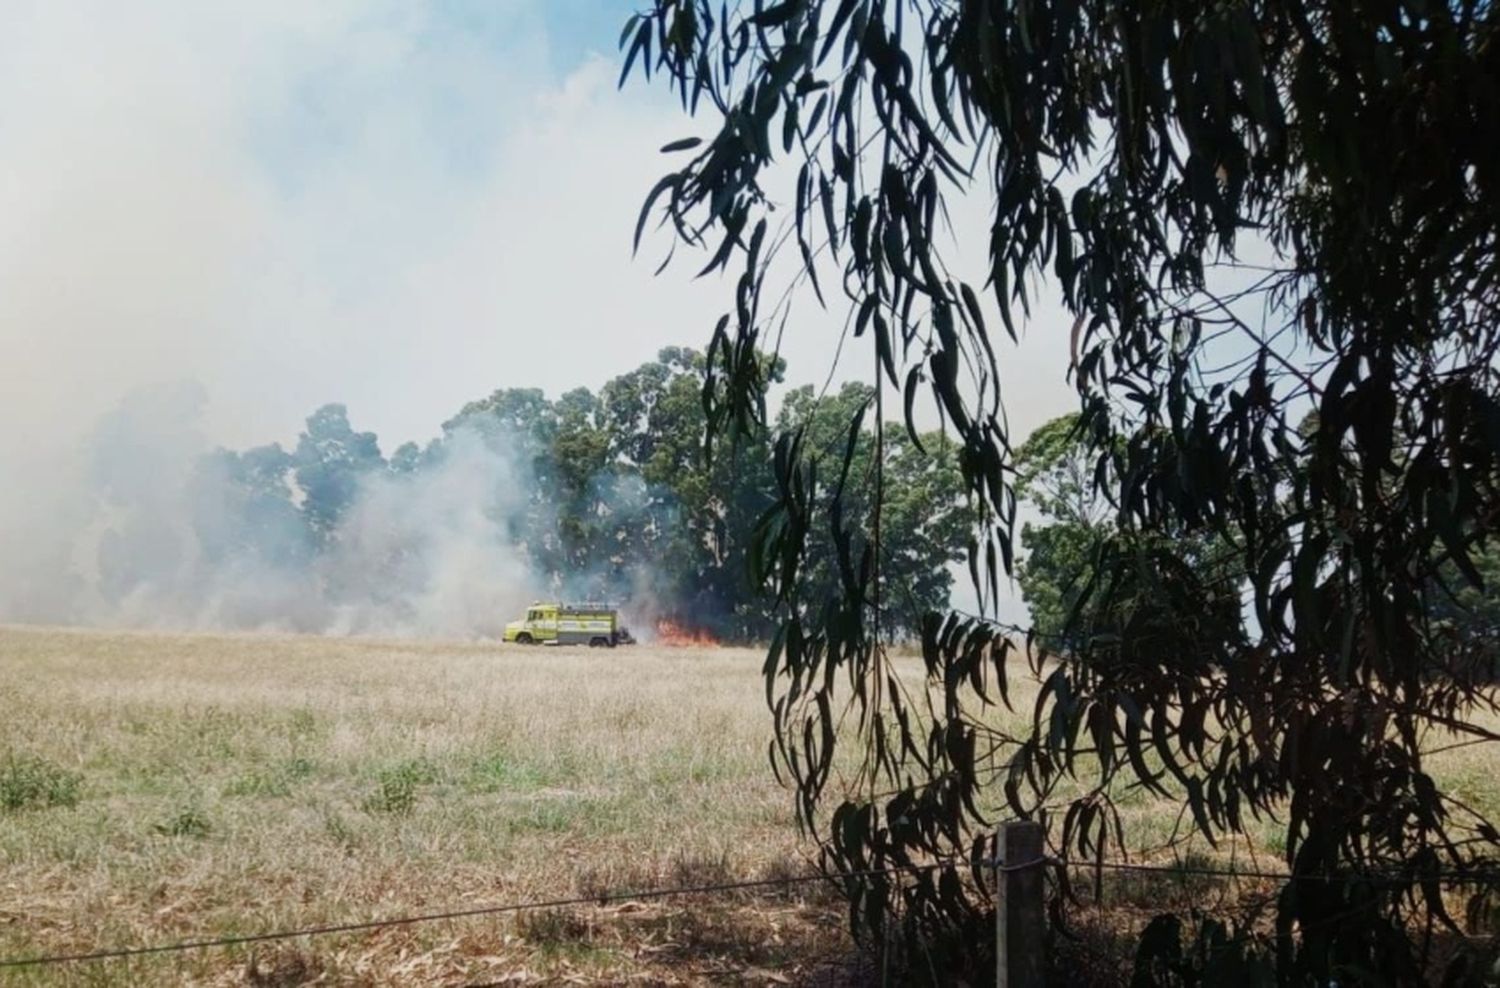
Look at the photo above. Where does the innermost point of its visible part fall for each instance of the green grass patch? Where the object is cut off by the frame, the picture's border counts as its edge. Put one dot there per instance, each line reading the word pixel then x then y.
pixel 396 787
pixel 259 784
pixel 274 782
pixel 187 822
pixel 340 831
pixel 33 783
pixel 549 816
pixel 691 764
pixel 502 772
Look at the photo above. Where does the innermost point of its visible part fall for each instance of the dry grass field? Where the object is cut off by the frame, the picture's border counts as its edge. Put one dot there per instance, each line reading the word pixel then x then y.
pixel 160 787
pixel 164 787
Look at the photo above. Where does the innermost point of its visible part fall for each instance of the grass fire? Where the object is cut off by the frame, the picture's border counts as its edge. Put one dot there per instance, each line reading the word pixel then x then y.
pixel 679 634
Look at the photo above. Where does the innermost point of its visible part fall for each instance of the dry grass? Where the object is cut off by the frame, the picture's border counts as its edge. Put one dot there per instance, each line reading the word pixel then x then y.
pixel 229 784
pixel 165 787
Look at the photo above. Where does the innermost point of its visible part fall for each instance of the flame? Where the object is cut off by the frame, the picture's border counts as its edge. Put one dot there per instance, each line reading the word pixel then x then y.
pixel 676 635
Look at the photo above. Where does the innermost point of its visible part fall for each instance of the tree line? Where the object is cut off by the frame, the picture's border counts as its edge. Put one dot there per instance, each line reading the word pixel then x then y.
pixel 604 495
pixel 1065 551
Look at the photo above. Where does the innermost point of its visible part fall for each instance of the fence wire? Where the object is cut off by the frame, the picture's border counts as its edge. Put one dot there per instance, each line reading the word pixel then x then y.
pixel 1182 870
pixel 120 953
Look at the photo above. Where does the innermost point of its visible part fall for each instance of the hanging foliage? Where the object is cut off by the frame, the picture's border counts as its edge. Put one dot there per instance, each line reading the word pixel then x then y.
pixel 1326 416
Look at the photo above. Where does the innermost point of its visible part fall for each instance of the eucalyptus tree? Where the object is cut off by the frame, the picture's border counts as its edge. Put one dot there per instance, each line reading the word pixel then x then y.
pixel 1134 158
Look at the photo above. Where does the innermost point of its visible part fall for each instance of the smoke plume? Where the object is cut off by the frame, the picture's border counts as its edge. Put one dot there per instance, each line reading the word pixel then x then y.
pixel 146 526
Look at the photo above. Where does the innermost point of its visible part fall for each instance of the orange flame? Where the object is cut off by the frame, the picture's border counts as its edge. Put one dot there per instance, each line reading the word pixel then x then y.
pixel 676 635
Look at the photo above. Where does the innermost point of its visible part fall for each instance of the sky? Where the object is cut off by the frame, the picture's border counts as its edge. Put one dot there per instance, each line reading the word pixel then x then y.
pixel 394 205
pixel 399 206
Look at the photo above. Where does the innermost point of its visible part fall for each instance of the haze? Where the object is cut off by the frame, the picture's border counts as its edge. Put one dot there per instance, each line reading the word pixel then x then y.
pixel 394 206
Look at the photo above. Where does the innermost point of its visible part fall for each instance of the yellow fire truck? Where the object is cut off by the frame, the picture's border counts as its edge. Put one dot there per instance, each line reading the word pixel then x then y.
pixel 596 625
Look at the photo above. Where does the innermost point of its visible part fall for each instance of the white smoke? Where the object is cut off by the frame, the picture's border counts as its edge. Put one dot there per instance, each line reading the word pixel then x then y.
pixel 146 526
pixel 427 553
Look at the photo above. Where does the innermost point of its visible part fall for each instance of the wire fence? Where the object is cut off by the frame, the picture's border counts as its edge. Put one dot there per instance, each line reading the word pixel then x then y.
pixel 602 899
pixel 1175 870
pixel 1393 879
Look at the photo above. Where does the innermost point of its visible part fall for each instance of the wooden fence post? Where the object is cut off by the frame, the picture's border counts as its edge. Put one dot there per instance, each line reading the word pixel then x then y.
pixel 1019 922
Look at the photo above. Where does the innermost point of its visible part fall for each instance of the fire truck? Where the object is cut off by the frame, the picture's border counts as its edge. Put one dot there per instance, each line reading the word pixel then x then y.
pixel 595 625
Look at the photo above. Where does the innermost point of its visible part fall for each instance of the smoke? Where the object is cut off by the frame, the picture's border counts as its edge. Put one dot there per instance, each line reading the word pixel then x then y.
pixel 375 200
pixel 39 581
pixel 428 553
pixel 144 525
pixel 390 202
